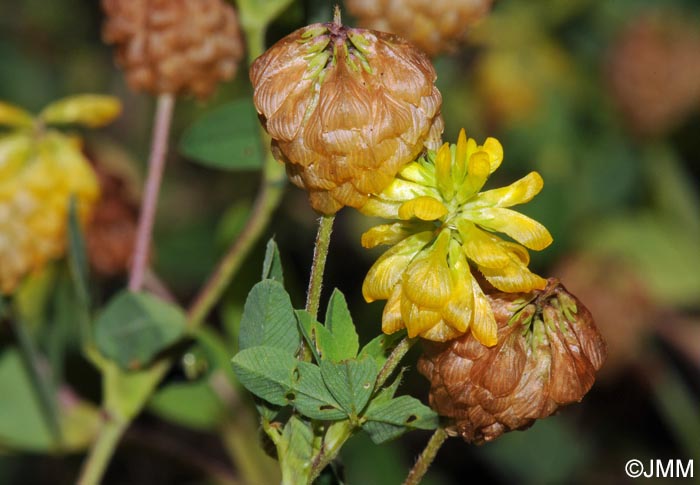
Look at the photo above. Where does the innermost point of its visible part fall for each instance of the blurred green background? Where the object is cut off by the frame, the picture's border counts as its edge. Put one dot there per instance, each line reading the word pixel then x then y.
pixel 602 98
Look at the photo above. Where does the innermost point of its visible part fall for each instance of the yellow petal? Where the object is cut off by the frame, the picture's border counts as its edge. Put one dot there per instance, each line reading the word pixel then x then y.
pixel 495 151
pixel 427 280
pixel 424 208
pixel 516 193
pixel 417 319
pixel 478 170
pixel 387 271
pixel 85 109
pixel 391 317
pixel 386 234
pixel 13 116
pixel 440 332
pixel 459 170
pixel 378 207
pixel 418 173
pixel 484 326
pixel 15 149
pixel 481 247
pixel 523 229
pixel 515 277
pixel 443 172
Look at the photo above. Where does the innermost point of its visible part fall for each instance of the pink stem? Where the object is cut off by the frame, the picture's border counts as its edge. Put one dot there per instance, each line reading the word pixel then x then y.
pixel 156 166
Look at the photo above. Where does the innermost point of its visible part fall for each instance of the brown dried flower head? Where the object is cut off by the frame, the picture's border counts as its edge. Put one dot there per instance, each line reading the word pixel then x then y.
pixel 433 25
pixel 174 46
pixel 654 72
pixel 346 109
pixel 111 233
pixel 547 355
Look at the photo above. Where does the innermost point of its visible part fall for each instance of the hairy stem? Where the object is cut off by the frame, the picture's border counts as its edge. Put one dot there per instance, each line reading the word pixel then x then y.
pixel 156 166
pixel 393 360
pixel 323 240
pixel 426 458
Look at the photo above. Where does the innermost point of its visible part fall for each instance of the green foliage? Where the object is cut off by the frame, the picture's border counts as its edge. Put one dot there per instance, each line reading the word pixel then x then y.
pixel 225 138
pixel 191 404
pixel 268 318
pixel 351 382
pixel 387 420
pixel 22 421
pixel 272 264
pixel 135 327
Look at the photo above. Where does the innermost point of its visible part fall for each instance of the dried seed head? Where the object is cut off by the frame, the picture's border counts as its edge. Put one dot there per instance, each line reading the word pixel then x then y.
pixel 346 109
pixel 547 354
pixel 111 232
pixel 174 46
pixel 654 72
pixel 433 25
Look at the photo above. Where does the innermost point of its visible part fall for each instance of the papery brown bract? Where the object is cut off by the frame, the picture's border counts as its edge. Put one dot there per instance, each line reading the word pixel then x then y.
pixel 174 46
pixel 346 109
pixel 547 355
pixel 435 26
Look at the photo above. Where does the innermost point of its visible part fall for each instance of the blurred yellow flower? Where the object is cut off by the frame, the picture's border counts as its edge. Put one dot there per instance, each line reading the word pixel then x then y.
pixel 40 170
pixel 444 223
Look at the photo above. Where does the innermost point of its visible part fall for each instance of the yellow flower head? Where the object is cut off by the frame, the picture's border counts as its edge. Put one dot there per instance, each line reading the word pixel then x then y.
pixel 444 225
pixel 40 170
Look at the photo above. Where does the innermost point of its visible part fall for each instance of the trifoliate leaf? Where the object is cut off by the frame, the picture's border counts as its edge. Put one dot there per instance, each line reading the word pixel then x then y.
pixel 134 327
pixel 390 419
pixel 268 318
pixel 351 382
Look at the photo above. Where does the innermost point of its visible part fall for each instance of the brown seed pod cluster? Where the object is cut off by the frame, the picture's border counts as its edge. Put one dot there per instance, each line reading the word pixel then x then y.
pixel 346 109
pixel 547 355
pixel 112 229
pixel 435 26
pixel 654 72
pixel 174 46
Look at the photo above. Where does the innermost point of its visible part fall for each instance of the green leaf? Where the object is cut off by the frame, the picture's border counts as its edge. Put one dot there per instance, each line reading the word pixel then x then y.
pixel 381 346
pixel 390 419
pixel 266 372
pixel 77 254
pixel 339 323
pixel 191 404
pixel 351 382
pixel 307 327
pixel 22 422
pixel 296 450
pixel 225 138
pixel 280 379
pixel 135 327
pixel 272 264
pixel 268 319
pixel 388 392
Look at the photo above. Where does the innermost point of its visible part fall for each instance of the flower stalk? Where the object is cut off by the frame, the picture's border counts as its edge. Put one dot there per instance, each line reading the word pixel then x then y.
pixel 426 458
pixel 323 240
pixel 156 167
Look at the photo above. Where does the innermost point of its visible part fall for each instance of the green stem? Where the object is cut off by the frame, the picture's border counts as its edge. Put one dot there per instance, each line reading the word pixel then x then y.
pixel 393 360
pixel 41 384
pixel 266 201
pixel 323 240
pixel 426 458
pixel 334 439
pixel 101 452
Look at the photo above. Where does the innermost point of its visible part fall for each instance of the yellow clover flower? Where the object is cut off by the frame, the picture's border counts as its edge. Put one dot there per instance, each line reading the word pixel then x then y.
pixel 445 224
pixel 40 170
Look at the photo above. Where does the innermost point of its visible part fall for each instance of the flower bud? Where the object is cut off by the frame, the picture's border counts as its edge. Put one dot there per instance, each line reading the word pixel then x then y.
pixel 547 355
pixel 174 46
pixel 346 109
pixel 433 25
